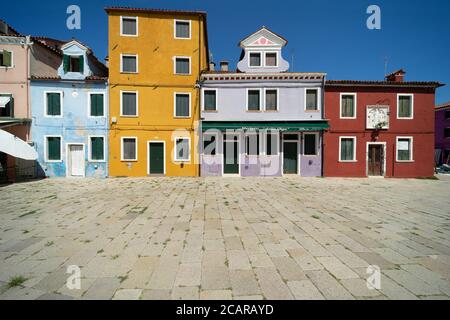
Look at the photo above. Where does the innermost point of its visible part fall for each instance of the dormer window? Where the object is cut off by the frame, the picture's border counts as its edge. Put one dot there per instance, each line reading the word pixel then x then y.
pixel 255 59
pixel 271 59
pixel 73 63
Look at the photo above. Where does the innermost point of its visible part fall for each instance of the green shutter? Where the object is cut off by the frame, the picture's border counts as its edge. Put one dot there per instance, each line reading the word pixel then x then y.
pixel 53 104
pixel 7 58
pixel 81 63
pixel 66 63
pixel 54 148
pixel 97 146
pixel 97 105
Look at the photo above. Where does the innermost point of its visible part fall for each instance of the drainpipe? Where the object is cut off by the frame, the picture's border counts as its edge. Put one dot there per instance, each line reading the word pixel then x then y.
pixel 322 134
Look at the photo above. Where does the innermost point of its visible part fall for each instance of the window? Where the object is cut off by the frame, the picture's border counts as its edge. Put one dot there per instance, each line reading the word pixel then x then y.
pixel 182 105
pixel 255 59
pixel 97 148
pixel 447 132
pixel 129 63
pixel 182 29
pixel 310 144
pixel 73 63
pixel 183 65
pixel 129 26
pixel 348 105
pixel 6 59
pixel 129 104
pixel 271 99
pixel 6 105
pixel 404 149
pixel 182 149
pixel 253 100
pixel 209 100
pixel 96 104
pixel 252 144
pixel 271 144
pixel 209 144
pixel 53 149
pixel 447 114
pixel 311 100
pixel 129 149
pixel 53 104
pixel 347 149
pixel 405 106
pixel 271 59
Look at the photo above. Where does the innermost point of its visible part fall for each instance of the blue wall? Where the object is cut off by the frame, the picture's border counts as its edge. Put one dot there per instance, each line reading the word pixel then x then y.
pixel 75 125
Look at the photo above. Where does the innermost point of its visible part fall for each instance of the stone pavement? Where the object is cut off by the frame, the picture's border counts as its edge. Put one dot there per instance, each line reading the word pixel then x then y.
pixel 225 238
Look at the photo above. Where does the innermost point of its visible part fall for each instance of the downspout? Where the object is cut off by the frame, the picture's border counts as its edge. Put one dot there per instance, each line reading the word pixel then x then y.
pixel 323 131
pixel 197 86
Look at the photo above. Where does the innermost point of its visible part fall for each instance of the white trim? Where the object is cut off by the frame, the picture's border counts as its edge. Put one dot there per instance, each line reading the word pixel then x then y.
pixel 89 104
pixel 238 156
pixel 175 157
pixel 203 99
pixel 354 149
pixel 68 144
pixel 121 26
pixel 411 151
pixel 121 104
pixel 319 100
pixel 46 148
pixel 317 153
pixel 368 143
pixel 61 95
pixel 175 105
pixel 261 101
pixel 12 61
pixel 90 148
pixel 174 60
pixel 355 105
pixel 278 99
pixel 148 155
pixel 129 55
pixel 277 55
pixel 121 149
pixel 412 105
pixel 175 29
pixel 261 56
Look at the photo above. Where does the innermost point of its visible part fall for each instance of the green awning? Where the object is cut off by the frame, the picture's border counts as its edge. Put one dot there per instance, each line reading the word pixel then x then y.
pixel 6 121
pixel 277 125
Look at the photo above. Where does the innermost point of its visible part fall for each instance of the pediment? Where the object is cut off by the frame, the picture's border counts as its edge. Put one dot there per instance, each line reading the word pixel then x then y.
pixel 263 38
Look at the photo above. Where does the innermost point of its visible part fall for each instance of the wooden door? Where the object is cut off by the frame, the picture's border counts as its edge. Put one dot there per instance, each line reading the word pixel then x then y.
pixel 375 159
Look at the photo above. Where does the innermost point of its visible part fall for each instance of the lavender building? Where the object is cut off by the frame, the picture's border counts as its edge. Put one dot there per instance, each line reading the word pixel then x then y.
pixel 443 133
pixel 262 120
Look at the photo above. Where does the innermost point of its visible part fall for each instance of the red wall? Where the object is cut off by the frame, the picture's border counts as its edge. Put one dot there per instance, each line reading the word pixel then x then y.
pixel 421 128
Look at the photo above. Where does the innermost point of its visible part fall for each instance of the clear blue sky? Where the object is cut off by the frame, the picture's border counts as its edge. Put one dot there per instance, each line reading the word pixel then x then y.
pixel 324 35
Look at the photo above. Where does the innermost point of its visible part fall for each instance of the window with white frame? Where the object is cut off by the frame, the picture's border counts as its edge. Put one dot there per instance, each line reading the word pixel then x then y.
pixel 6 105
pixel 129 63
pixel 271 143
pixel 53 104
pixel 271 100
pixel 97 148
pixel 404 149
pixel 182 29
pixel 271 59
pixel 53 147
pixel 348 105
pixel 252 144
pixel 347 149
pixel 182 150
pixel 255 59
pixel 312 99
pixel 210 100
pixel 182 65
pixel 129 149
pixel 96 104
pixel 182 105
pixel 446 133
pixel 6 58
pixel 209 144
pixel 129 104
pixel 405 106
pixel 129 26
pixel 310 144
pixel 253 100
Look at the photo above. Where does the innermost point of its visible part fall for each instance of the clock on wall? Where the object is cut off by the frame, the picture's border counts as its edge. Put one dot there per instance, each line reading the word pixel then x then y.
pixel 377 117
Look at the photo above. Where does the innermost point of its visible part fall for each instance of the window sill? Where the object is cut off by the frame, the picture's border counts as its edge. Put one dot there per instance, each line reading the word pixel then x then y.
pixel 272 111
pixel 254 111
pixel 124 116
pixel 312 111
pixel 97 161
pixel 128 35
pixel 404 161
pixel 128 72
pixel 182 161
pixel 348 161
pixel 347 118
pixel 47 116
pixel 182 117
pixel 123 160
pixel 5 67
pixel 400 118
pixel 182 38
pixel 182 74
pixel 53 161
pixel 210 111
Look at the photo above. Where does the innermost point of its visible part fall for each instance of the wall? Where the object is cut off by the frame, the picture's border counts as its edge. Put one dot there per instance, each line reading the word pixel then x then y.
pixel 441 124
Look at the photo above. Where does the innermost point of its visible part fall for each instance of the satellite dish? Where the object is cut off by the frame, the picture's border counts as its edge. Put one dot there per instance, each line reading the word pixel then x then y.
pixel 16 147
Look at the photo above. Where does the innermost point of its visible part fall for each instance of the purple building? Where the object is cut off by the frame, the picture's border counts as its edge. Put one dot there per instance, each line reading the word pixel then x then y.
pixel 442 113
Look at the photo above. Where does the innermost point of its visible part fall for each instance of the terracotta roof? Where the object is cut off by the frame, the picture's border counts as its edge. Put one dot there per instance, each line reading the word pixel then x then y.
pixel 224 76
pixel 369 83
pixel 396 72
pixel 443 106
pixel 14 31
pixel 90 78
pixel 153 10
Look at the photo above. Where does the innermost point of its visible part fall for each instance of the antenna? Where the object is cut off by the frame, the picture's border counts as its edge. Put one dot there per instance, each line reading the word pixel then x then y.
pixel 292 59
pixel 386 62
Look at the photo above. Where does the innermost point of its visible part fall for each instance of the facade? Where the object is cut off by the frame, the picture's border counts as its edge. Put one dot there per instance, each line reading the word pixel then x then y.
pixel 442 150
pixel 70 114
pixel 155 61
pixel 262 120
pixel 380 128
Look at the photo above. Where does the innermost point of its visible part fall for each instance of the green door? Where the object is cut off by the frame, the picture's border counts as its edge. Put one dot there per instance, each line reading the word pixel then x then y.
pixel 230 156
pixel 156 157
pixel 290 157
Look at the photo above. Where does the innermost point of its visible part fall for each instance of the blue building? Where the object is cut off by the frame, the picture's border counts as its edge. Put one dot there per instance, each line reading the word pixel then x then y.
pixel 70 115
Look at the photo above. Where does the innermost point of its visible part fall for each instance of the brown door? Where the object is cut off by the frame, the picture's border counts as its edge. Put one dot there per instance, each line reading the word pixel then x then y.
pixel 375 160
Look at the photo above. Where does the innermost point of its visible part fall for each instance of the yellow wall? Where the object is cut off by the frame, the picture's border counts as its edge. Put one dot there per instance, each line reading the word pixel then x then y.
pixel 156 85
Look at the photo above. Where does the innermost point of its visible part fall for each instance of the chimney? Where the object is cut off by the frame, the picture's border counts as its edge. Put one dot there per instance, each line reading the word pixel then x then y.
pixel 396 76
pixel 212 66
pixel 224 66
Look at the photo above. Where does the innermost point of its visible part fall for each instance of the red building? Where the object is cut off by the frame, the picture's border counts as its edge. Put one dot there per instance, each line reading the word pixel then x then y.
pixel 380 128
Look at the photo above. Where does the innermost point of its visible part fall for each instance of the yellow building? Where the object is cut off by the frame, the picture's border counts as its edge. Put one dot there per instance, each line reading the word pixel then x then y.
pixel 155 61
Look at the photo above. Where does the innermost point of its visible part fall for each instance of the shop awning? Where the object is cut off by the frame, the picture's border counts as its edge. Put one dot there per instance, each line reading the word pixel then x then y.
pixel 7 122
pixel 277 125
pixel 16 147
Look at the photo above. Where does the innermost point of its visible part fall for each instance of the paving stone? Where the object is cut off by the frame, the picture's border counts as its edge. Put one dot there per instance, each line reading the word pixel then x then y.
pixel 102 289
pixel 238 260
pixel 127 294
pixel 304 290
pixel 328 286
pixel 215 295
pixel 416 285
pixel 155 295
pixel 163 277
pixel 272 285
pixel 21 293
pixel 337 268
pixel 185 293
pixel 215 278
pixel 358 288
pixel 244 283
pixel 189 275
pixel 289 269
pixel 394 291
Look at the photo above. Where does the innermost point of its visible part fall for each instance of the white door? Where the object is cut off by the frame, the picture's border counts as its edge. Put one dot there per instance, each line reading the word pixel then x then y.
pixel 76 160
